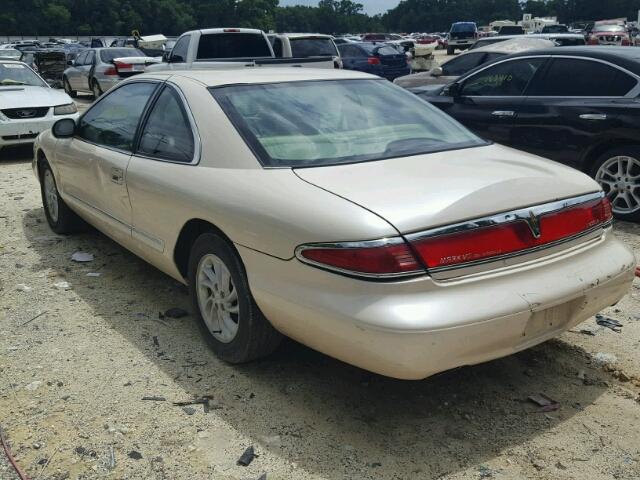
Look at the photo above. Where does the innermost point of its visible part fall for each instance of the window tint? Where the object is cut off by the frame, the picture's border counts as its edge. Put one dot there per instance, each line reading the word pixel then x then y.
pixel 167 133
pixel 504 79
pixel 108 55
pixel 568 77
pixel 277 47
pixel 462 64
pixel 179 51
pixel 113 121
pixel 312 47
pixel 233 45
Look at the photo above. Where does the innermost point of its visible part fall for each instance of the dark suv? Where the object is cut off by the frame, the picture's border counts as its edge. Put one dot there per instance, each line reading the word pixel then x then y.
pixel 576 105
pixel 461 36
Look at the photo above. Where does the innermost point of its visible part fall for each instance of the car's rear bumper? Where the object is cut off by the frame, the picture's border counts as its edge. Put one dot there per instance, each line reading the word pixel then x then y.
pixel 416 328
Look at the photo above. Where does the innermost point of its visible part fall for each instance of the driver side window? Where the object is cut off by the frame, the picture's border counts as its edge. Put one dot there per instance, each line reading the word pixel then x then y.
pixel 113 121
pixel 506 79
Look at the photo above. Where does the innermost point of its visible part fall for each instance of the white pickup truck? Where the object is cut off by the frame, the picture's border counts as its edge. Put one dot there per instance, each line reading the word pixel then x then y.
pixel 306 45
pixel 224 48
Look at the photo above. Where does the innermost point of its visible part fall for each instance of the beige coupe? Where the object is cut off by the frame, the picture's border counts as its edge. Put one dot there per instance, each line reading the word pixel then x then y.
pixel 339 210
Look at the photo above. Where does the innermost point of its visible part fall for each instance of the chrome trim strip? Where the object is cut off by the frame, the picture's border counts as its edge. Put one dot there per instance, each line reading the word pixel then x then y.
pixel 382 242
pixel 522 214
pixel 147 239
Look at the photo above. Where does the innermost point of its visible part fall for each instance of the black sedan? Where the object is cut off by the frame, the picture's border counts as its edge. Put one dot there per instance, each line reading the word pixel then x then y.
pixel 576 105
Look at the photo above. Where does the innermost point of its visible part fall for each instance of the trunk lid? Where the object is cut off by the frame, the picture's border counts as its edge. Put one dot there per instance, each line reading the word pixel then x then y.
pixel 425 191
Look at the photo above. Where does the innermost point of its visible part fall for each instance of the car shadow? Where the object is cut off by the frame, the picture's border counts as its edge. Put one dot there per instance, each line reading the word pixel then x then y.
pixel 317 404
pixel 16 154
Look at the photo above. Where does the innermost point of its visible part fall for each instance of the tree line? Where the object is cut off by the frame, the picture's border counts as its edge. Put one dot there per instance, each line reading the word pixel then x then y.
pixel 172 17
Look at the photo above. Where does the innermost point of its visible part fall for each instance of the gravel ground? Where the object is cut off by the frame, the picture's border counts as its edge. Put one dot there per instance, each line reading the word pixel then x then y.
pixel 73 383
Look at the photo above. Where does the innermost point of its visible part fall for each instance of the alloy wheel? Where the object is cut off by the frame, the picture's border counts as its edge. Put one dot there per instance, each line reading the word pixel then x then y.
pixel 51 195
pixel 217 298
pixel 619 177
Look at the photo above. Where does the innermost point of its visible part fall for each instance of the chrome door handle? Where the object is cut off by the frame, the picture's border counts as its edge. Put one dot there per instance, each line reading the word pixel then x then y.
pixel 117 175
pixel 503 113
pixel 593 116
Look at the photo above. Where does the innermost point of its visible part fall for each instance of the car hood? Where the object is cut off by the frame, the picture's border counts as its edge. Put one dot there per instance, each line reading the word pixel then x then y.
pixel 25 96
pixel 425 191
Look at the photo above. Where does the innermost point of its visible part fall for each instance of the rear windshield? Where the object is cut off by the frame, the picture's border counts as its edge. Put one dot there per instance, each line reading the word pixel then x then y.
pixel 555 29
pixel 233 45
pixel 312 47
pixel 463 27
pixel 511 30
pixel 315 123
pixel 18 74
pixel 372 48
pixel 108 55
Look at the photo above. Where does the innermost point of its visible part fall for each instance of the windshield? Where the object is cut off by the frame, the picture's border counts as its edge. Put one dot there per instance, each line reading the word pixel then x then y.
pixel 19 74
pixel 109 54
pixel 313 47
pixel 609 28
pixel 315 123
pixel 463 27
pixel 233 45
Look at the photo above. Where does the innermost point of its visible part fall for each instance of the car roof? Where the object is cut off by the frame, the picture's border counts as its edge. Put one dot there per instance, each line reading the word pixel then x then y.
pixel 626 57
pixel 243 76
pixel 300 35
pixel 515 45
pixel 207 31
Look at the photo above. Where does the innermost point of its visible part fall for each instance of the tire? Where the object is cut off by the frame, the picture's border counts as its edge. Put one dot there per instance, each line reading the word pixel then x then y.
pixel 622 189
pixel 450 50
pixel 60 217
pixel 95 89
pixel 67 88
pixel 254 337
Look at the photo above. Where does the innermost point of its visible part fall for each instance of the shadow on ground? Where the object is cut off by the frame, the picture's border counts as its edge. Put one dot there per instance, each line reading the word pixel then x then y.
pixel 17 154
pixel 334 419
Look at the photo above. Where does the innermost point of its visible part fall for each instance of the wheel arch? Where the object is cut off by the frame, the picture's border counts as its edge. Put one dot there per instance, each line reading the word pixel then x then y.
pixel 590 158
pixel 189 232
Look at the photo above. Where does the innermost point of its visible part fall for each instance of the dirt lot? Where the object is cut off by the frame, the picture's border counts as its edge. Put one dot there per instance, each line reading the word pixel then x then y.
pixel 78 359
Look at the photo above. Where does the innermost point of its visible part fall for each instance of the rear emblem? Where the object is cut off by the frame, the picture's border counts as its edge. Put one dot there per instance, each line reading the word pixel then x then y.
pixel 534 224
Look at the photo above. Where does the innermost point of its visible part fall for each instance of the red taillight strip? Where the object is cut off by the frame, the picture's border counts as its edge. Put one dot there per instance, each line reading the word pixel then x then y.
pixel 369 245
pixel 504 226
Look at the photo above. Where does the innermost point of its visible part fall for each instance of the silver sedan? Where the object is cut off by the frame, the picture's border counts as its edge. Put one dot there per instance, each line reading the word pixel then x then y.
pixel 339 210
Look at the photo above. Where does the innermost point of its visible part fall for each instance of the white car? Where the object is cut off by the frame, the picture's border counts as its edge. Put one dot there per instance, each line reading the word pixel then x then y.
pixel 338 209
pixel 28 105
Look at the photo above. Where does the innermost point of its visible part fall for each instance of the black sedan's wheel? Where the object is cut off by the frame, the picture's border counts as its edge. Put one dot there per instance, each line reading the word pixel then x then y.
pixel 60 217
pixel 618 172
pixel 232 322
pixel 67 88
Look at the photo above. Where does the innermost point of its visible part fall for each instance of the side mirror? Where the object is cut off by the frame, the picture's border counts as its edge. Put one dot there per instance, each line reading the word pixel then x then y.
pixel 436 72
pixel 64 128
pixel 453 90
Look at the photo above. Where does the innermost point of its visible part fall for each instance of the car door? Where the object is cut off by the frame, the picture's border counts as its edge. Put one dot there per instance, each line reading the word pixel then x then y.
pixel 91 166
pixel 73 73
pixel 488 100
pixel 85 71
pixel 168 144
pixel 574 104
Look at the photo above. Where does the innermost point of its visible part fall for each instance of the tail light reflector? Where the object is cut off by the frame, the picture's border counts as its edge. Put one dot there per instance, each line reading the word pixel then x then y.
pixel 373 61
pixel 110 71
pixel 370 259
pixel 521 234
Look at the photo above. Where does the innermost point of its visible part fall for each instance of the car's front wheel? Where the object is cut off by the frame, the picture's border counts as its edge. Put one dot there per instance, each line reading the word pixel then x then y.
pixel 233 324
pixel 60 217
pixel 618 173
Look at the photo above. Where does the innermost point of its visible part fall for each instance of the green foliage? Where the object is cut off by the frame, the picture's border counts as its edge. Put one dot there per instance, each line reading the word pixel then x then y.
pixel 172 17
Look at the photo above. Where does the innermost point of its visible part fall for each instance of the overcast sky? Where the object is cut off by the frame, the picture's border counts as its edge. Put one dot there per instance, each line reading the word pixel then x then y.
pixel 370 6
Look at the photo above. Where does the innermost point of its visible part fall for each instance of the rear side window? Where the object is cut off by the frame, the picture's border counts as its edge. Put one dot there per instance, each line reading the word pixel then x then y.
pixel 312 47
pixel 506 79
pixel 113 121
pixel 568 77
pixel 463 27
pixel 233 45
pixel 167 133
pixel 180 49
pixel 462 64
